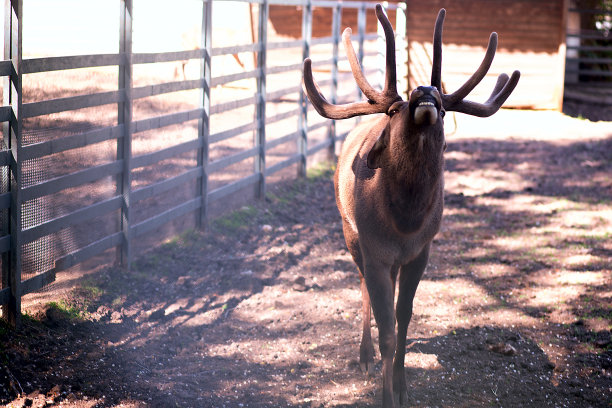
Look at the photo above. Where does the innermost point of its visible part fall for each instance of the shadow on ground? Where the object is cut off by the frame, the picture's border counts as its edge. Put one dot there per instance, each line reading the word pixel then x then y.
pixel 262 310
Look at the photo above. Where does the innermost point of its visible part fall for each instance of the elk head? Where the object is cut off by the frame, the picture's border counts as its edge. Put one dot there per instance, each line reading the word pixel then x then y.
pixel 426 103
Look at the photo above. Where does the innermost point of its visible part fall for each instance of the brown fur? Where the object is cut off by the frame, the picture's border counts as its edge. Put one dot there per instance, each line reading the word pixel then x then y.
pixel 390 215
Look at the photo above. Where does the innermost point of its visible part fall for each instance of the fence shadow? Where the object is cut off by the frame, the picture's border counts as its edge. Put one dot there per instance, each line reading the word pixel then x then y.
pixel 266 302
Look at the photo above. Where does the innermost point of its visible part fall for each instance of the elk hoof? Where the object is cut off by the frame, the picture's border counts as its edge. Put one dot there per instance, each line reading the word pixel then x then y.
pixel 367 368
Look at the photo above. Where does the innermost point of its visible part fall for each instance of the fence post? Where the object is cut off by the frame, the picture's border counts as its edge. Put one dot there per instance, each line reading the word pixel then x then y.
pixel 12 96
pixel 303 119
pixel 407 39
pixel 260 107
pixel 124 117
pixel 361 27
pixel 337 16
pixel 204 121
pixel 401 44
pixel 6 144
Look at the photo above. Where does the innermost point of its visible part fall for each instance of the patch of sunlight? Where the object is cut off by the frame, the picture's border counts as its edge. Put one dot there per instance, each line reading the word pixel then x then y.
pixel 590 219
pixel 445 299
pixel 581 278
pixel 478 182
pixel 258 352
pixel 336 393
pixel 580 260
pixel 531 203
pixel 180 320
pixel 179 304
pixel 490 269
pixel 557 205
pixel 422 360
pixel 553 296
pixel 529 125
pixel 204 318
pixel 457 155
pixel 454 211
pixel 460 224
pixel 503 316
pixel 567 236
pixel 540 250
pixel 514 243
pixel 477 254
pixel 527 200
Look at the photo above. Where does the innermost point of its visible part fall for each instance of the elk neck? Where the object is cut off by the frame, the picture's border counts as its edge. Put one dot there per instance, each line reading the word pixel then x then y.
pixel 414 176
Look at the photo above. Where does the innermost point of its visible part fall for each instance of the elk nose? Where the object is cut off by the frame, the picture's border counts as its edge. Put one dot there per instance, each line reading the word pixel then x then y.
pixel 425 104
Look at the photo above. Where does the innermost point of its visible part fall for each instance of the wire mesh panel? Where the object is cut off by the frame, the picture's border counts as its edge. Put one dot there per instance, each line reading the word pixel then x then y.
pixel 5 223
pixel 63 173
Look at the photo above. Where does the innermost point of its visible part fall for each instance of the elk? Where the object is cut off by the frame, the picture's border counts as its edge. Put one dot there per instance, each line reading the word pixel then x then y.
pixel 389 189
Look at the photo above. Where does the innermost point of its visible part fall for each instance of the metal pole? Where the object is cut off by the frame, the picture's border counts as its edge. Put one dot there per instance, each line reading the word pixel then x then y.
pixel 303 119
pixel 337 16
pixel 124 117
pixel 6 143
pixel 260 134
pixel 361 27
pixel 12 96
pixel 405 8
pixel 204 121
pixel 401 44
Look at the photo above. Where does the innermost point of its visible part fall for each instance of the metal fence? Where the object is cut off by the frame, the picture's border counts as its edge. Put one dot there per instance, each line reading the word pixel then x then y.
pixel 590 46
pixel 588 68
pixel 49 225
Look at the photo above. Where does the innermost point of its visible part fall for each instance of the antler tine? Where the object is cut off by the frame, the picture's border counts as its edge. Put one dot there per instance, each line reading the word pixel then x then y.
pixel 470 84
pixel 455 101
pixel 390 69
pixel 390 86
pixel 329 110
pixel 377 102
pixel 502 80
pixel 436 69
pixel 502 90
pixel 360 78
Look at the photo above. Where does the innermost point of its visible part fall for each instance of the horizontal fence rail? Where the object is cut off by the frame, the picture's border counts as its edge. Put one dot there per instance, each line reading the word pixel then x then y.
pixel 18 194
pixel 589 48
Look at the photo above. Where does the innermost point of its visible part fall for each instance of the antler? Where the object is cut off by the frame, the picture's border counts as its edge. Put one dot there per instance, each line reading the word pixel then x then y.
pixel 377 102
pixel 455 101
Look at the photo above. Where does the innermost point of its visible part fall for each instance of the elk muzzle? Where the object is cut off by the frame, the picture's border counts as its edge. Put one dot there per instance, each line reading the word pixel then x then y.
pixel 425 105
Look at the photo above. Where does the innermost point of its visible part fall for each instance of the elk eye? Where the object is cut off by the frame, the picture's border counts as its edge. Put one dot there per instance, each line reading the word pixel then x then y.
pixel 392 112
pixel 442 112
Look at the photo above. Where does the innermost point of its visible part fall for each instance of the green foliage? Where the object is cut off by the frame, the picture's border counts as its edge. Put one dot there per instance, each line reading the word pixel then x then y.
pixel 321 170
pixel 236 220
pixel 91 291
pixel 67 311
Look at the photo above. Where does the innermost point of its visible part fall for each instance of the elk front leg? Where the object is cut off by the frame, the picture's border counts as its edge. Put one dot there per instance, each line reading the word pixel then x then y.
pixel 409 278
pixel 366 350
pixel 379 282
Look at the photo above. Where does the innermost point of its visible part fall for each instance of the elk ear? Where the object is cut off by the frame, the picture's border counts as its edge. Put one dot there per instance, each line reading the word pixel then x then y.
pixel 375 155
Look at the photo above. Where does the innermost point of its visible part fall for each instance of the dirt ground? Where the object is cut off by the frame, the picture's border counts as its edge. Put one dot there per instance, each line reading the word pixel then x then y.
pixel 263 309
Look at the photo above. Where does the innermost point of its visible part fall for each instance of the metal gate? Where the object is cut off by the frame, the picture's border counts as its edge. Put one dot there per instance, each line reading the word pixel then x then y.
pixel 101 184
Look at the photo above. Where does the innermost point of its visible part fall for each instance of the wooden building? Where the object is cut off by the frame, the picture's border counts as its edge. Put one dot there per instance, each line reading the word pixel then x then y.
pixel 531 39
